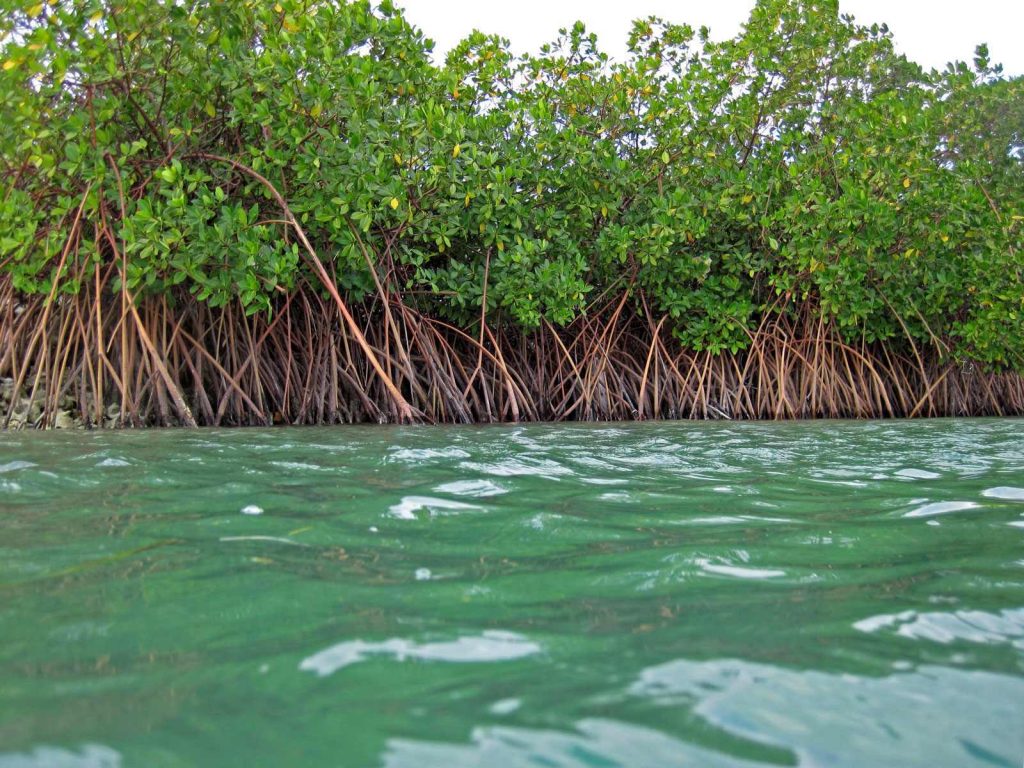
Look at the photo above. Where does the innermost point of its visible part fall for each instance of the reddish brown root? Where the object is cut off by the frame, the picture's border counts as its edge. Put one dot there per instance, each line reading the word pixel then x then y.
pixel 109 362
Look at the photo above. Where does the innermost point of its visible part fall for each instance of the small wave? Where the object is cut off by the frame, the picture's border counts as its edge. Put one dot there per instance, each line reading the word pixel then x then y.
pixel 275 539
pixel 14 466
pixel 114 462
pixel 89 756
pixel 528 466
pixel 1004 493
pixel 783 707
pixel 477 488
pixel 739 572
pixel 945 628
pixel 424 454
pixel 917 474
pixel 407 508
pixel 492 645
pixel 941 508
pixel 505 706
pixel 297 465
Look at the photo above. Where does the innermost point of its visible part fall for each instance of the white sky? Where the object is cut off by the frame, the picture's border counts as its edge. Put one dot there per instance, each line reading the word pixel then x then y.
pixel 931 32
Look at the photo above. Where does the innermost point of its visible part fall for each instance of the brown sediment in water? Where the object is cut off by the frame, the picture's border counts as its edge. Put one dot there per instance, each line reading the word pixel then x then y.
pixel 94 359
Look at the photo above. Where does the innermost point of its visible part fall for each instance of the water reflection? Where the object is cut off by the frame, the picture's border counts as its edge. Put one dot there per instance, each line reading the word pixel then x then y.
pixel 492 645
pixel 577 595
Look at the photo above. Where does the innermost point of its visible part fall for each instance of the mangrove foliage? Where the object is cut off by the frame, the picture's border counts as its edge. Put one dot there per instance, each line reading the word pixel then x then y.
pixel 248 212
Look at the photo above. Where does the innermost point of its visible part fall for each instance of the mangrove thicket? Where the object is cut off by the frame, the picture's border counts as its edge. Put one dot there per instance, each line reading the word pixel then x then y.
pixel 242 212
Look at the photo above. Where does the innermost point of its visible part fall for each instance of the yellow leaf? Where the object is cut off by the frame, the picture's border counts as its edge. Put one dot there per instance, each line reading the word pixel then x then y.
pixel 394 203
pixel 10 64
pixel 278 8
pixel 455 94
pixel 501 246
pixel 481 228
pixel 906 183
pixel 290 25
pixel 467 200
pixel 456 150
pixel 316 111
pixel 747 199
pixel 945 238
pixel 210 109
pixel 604 211
pixel 398 159
pixel 35 10
pixel 96 16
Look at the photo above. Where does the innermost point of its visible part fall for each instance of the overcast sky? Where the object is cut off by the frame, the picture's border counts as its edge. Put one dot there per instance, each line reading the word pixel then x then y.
pixel 931 32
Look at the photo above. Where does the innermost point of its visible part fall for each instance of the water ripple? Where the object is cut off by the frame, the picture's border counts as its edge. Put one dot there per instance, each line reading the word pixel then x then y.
pixel 490 646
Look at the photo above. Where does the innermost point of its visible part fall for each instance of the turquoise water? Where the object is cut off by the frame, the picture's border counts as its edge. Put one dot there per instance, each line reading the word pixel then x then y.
pixel 813 594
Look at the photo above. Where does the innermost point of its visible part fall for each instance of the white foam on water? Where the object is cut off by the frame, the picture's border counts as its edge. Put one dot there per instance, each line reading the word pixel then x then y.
pixel 252 509
pixel 422 574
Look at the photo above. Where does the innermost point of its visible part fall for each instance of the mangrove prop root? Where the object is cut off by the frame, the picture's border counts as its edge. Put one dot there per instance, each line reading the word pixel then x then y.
pixel 104 361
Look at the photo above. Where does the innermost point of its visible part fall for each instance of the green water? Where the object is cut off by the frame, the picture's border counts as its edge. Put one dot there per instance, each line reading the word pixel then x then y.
pixel 814 594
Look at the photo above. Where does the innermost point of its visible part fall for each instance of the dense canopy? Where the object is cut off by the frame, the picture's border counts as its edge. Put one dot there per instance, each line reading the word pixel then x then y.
pixel 231 154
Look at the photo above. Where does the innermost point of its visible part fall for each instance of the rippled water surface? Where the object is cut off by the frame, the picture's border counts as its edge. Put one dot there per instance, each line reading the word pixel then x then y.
pixel 812 594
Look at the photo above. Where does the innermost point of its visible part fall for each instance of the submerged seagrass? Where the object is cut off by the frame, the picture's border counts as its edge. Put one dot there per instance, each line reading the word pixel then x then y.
pixel 238 213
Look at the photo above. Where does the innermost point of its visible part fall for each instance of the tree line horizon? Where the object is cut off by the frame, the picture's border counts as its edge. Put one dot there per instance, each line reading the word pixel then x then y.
pixel 285 212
